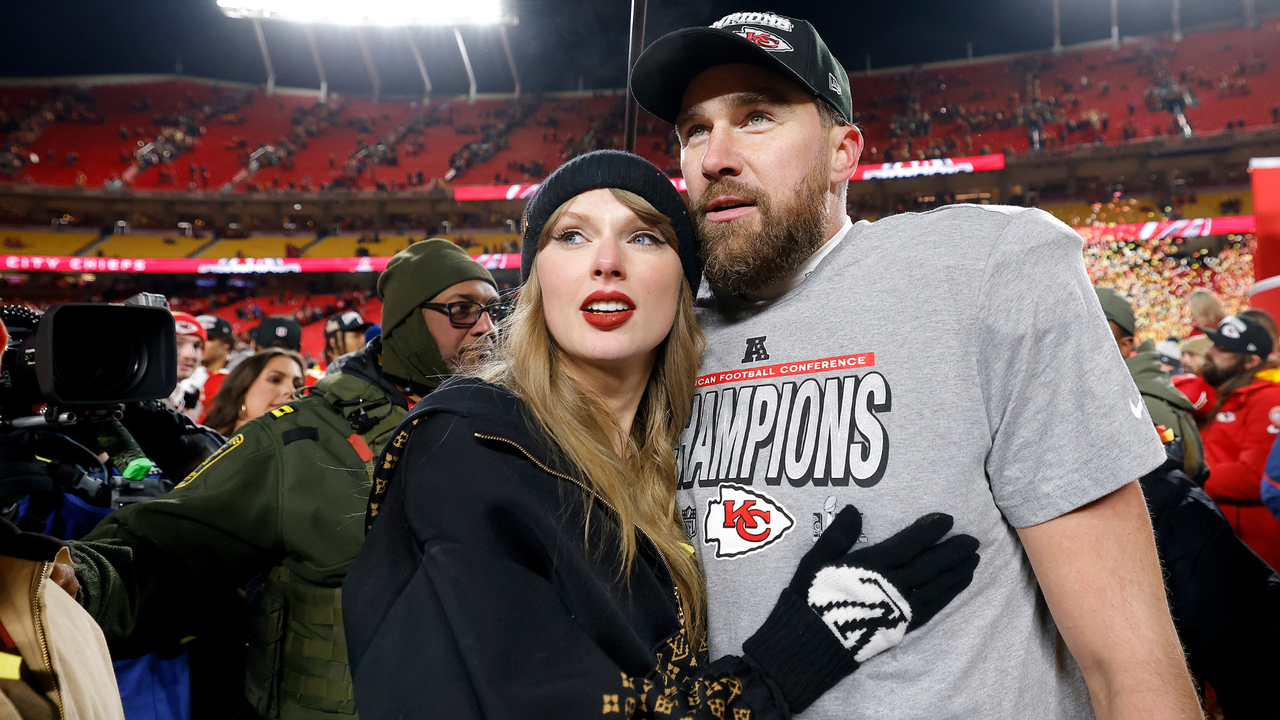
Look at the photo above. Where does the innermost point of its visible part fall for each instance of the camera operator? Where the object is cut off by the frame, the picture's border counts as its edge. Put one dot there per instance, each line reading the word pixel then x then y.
pixel 276 512
pixel 70 674
pixel 146 445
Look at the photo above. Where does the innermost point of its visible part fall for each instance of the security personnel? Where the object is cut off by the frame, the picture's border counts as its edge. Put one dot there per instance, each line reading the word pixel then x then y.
pixel 276 514
pixel 1166 404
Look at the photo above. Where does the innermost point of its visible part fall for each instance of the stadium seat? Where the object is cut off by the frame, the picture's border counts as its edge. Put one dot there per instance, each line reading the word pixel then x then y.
pixel 37 242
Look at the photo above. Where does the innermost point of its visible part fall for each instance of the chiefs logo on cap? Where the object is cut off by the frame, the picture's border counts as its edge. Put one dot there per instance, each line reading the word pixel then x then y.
pixel 186 327
pixel 765 39
pixel 1231 327
pixel 742 521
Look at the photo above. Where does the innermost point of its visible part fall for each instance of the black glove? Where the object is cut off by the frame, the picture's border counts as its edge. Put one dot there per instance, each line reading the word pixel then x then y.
pixel 842 609
pixel 20 472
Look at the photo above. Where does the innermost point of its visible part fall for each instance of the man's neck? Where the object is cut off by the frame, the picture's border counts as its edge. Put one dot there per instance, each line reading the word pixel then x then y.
pixel 842 223
pixel 214 366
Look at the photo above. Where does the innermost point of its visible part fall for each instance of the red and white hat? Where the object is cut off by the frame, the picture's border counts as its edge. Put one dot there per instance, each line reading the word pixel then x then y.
pixel 1199 392
pixel 187 324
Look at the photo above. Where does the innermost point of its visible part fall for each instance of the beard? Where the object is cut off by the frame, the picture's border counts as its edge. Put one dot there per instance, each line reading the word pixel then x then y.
pixel 1219 375
pixel 742 259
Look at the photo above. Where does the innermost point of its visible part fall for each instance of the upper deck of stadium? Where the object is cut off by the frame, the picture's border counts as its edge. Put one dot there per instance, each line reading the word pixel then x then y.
pixel 178 134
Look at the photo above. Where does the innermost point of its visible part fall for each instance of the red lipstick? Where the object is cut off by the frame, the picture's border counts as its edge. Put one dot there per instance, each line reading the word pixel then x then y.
pixel 612 309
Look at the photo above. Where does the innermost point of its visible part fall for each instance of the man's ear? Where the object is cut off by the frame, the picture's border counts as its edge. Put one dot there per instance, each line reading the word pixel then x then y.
pixel 848 150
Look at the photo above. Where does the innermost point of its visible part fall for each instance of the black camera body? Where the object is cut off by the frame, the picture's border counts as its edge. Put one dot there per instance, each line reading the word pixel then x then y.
pixel 65 372
pixel 84 357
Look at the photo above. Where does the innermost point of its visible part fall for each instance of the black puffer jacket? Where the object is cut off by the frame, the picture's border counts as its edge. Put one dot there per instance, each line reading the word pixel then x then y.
pixel 479 594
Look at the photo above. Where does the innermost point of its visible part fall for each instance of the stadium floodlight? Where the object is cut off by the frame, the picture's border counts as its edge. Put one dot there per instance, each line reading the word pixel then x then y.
pixel 378 13
pixel 358 14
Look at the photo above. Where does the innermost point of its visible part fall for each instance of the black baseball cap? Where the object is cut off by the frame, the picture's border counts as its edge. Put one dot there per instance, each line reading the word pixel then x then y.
pixel 215 326
pixel 349 321
pixel 278 331
pixel 1241 334
pixel 786 46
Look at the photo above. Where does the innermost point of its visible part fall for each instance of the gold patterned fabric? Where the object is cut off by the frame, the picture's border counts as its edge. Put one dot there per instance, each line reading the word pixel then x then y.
pixel 674 691
pixel 383 468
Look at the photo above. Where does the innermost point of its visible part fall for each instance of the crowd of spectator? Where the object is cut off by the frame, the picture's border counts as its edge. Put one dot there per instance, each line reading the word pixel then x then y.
pixel 493 136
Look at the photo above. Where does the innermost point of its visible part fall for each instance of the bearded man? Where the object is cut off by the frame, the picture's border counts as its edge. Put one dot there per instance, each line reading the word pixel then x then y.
pixel 823 385
pixel 1239 436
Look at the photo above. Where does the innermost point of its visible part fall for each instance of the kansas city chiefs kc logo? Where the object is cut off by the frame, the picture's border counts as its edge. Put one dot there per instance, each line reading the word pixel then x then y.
pixel 765 39
pixel 742 521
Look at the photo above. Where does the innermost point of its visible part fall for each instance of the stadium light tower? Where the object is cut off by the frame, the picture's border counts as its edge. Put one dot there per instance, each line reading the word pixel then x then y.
pixel 359 14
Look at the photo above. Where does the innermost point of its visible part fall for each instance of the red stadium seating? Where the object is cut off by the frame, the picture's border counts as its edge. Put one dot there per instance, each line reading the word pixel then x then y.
pixel 560 126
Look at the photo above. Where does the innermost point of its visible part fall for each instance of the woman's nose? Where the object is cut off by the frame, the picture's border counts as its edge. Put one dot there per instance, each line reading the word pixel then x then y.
pixel 609 262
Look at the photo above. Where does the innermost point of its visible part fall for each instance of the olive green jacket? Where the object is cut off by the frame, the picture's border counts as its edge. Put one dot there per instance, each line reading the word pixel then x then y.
pixel 1168 407
pixel 277 511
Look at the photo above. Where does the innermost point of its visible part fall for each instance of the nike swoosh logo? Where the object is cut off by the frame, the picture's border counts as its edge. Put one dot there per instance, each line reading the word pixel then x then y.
pixel 1136 409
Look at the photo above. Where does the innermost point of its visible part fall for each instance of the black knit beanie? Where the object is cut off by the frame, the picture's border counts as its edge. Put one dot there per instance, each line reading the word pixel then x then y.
pixel 611 169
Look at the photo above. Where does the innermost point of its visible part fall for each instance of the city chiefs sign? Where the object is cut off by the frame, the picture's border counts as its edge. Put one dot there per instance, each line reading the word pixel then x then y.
pixel 741 520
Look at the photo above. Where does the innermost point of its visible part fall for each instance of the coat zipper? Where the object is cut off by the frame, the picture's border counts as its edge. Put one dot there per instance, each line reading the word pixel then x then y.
pixel 40 635
pixel 675 590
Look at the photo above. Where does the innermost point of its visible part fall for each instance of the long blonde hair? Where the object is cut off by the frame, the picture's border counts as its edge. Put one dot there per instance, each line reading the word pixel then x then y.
pixel 1205 308
pixel 640 485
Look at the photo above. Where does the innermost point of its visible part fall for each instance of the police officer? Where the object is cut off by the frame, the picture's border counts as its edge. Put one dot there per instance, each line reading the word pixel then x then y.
pixel 276 513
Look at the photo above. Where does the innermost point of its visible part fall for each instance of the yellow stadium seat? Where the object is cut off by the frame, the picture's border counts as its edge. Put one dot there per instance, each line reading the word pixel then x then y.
pixel 36 242
pixel 150 246
pixel 264 246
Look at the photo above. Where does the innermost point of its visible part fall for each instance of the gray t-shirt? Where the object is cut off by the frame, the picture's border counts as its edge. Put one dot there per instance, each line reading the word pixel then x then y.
pixel 954 361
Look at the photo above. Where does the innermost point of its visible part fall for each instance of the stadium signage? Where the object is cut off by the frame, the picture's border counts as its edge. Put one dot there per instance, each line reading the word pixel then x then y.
pixel 881 171
pixel 222 266
pixel 922 168
pixel 515 192
pixel 1189 228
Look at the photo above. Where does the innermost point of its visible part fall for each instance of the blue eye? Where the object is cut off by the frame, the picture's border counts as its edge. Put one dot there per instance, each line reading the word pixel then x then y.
pixel 647 239
pixel 570 237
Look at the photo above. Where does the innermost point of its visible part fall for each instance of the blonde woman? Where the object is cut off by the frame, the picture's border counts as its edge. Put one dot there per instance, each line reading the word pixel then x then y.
pixel 526 559
pixel 1205 310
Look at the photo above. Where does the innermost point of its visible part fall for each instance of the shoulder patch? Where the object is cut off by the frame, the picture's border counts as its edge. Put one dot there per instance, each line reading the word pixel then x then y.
pixel 293 435
pixel 227 447
pixel 281 411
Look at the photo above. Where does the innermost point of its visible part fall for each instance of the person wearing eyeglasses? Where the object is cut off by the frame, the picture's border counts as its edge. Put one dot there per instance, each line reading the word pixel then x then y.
pixel 461 320
pixel 275 513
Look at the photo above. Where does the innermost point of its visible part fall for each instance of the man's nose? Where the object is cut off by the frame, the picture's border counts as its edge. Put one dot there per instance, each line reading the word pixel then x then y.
pixel 483 326
pixel 721 157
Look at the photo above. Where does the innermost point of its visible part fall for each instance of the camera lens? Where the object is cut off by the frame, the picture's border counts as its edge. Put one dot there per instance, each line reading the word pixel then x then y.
pixel 108 353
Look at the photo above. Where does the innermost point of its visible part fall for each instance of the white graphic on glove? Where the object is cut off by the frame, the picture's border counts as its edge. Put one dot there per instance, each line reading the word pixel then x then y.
pixel 866 613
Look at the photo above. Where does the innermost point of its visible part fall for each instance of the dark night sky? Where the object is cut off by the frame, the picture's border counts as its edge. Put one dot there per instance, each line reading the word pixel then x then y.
pixel 556 43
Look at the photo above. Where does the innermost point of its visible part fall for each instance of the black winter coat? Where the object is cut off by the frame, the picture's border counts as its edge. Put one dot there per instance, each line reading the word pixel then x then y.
pixel 1225 600
pixel 483 591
